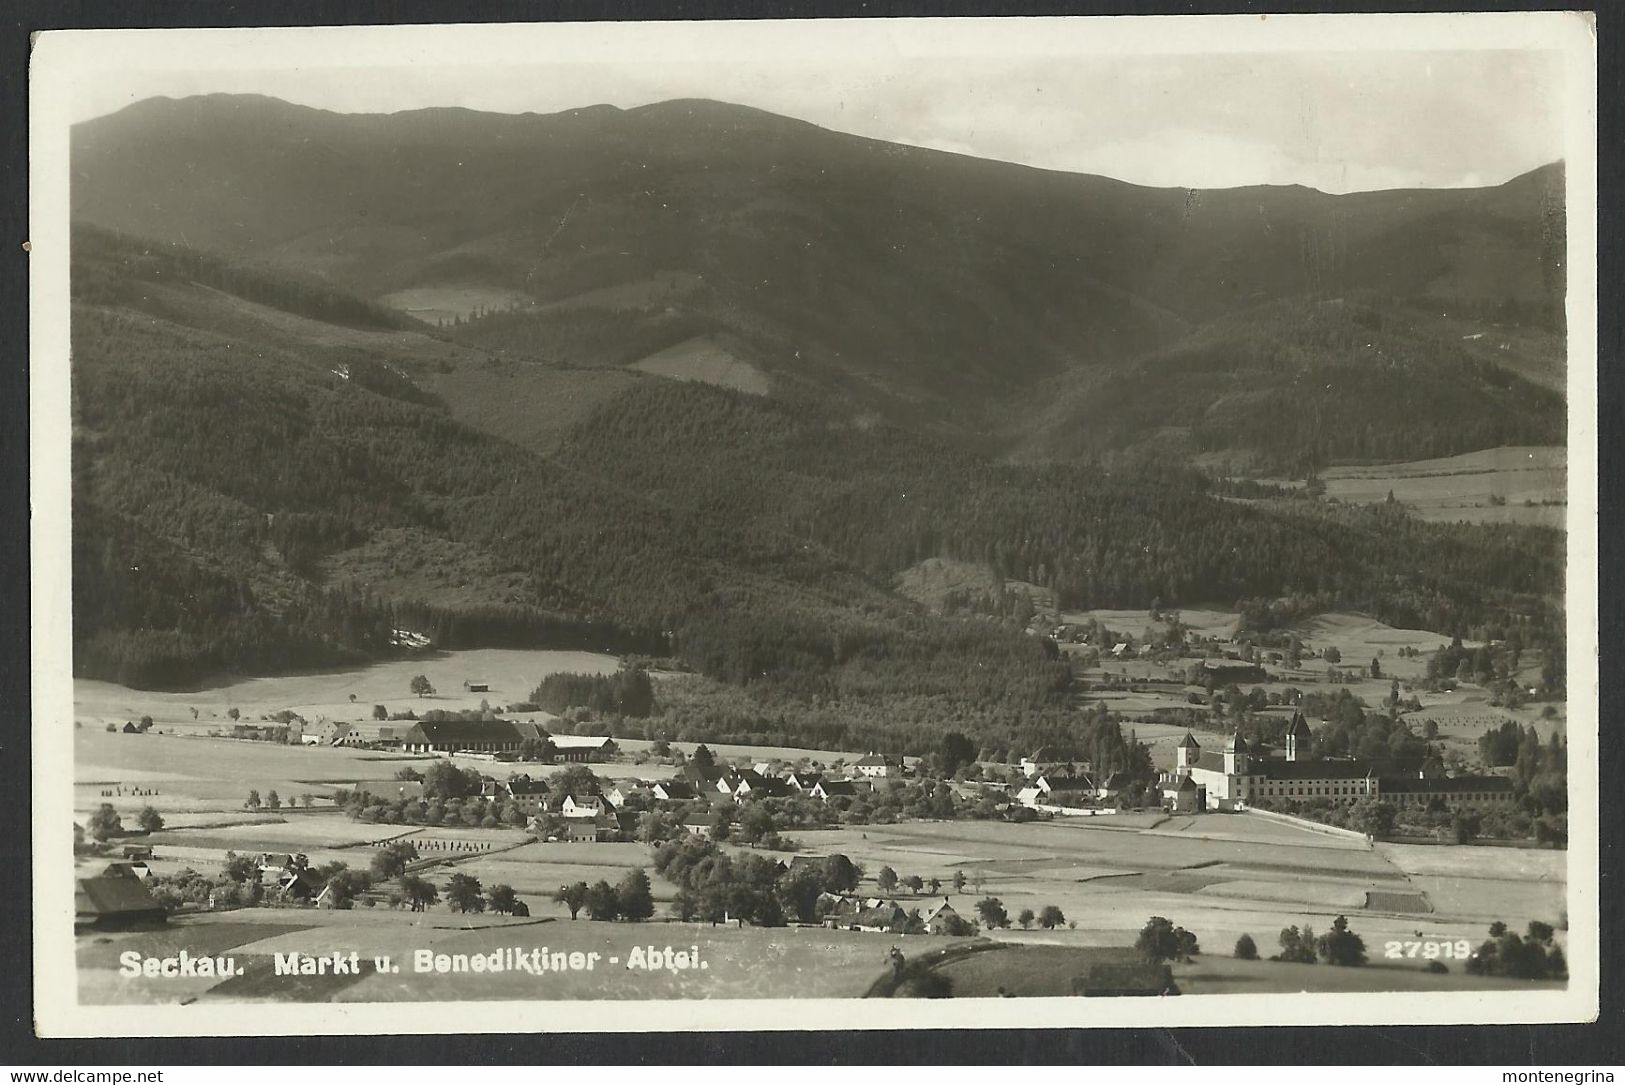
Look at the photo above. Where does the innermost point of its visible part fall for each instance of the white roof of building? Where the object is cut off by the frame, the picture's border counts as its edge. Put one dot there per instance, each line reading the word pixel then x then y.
pixel 578 742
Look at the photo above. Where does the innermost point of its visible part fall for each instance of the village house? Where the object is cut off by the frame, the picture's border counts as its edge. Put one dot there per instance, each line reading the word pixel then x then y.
pixel 701 778
pixel 258 732
pixel 127 870
pixel 324 732
pixel 473 686
pixel 626 790
pixel 1182 795
pixel 597 828
pixel 298 885
pixel 825 790
pixel 582 748
pixel 674 791
pixel 1114 787
pixel 885 915
pixel 112 903
pixel 879 766
pixel 273 862
pixel 942 918
pixel 702 823
pixel 585 806
pixel 749 784
pixel 1043 761
pixel 736 781
pixel 350 736
pixel 803 781
pixel 527 794
pixel 1065 790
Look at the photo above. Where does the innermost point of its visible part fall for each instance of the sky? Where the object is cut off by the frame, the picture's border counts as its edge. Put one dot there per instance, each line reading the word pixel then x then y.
pixel 1163 105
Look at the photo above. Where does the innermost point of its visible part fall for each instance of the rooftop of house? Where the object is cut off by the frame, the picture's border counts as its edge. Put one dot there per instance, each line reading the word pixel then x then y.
pixel 453 732
pixel 580 742
pixel 530 729
pixel 1068 783
pixel 107 896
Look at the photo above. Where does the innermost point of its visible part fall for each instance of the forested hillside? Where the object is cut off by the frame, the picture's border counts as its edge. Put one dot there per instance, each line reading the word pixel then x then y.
pixel 1044 314
pixel 275 467
pixel 1299 385
pixel 755 538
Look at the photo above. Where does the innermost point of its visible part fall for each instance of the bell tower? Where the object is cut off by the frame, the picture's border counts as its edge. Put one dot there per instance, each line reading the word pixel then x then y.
pixel 1186 754
pixel 1236 756
pixel 1298 738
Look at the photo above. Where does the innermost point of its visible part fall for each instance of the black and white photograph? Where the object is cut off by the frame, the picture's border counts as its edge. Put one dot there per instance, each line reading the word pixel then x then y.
pixel 697 524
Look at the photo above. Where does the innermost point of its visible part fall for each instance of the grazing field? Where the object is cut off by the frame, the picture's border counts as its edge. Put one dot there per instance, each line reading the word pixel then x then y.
pixel 1360 638
pixel 200 776
pixel 1524 485
pixel 1023 971
pixel 1031 971
pixel 451 302
pixel 750 962
pixel 1202 621
pixel 1213 973
pixel 1463 713
pixel 511 674
pixel 1219 876
pixel 704 359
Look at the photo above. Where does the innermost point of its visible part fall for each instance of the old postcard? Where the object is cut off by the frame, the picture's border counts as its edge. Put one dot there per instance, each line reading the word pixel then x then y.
pixel 653 526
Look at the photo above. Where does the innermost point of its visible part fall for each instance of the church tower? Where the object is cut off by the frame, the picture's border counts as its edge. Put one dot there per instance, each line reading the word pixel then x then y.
pixel 1186 755
pixel 1235 756
pixel 1297 738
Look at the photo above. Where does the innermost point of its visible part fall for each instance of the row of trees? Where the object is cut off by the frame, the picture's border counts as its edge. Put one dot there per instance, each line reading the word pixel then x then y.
pixel 1339 946
pixel 631 900
pixel 1533 955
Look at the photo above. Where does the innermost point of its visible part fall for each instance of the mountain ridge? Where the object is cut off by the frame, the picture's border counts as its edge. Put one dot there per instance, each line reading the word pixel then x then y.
pixel 933 289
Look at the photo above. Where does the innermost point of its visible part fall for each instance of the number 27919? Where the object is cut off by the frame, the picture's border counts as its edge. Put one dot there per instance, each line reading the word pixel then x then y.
pixel 1428 949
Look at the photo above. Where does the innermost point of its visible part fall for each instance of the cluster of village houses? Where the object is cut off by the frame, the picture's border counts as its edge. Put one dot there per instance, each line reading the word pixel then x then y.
pixel 1230 778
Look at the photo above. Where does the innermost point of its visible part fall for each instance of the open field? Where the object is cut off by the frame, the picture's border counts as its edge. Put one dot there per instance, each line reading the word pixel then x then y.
pixel 435 303
pixel 1214 973
pixel 511 674
pixel 1493 486
pixel 704 359
pixel 785 962
pixel 200 775
pixel 1034 971
pixel 1463 714
pixel 1217 875
pixel 1202 621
